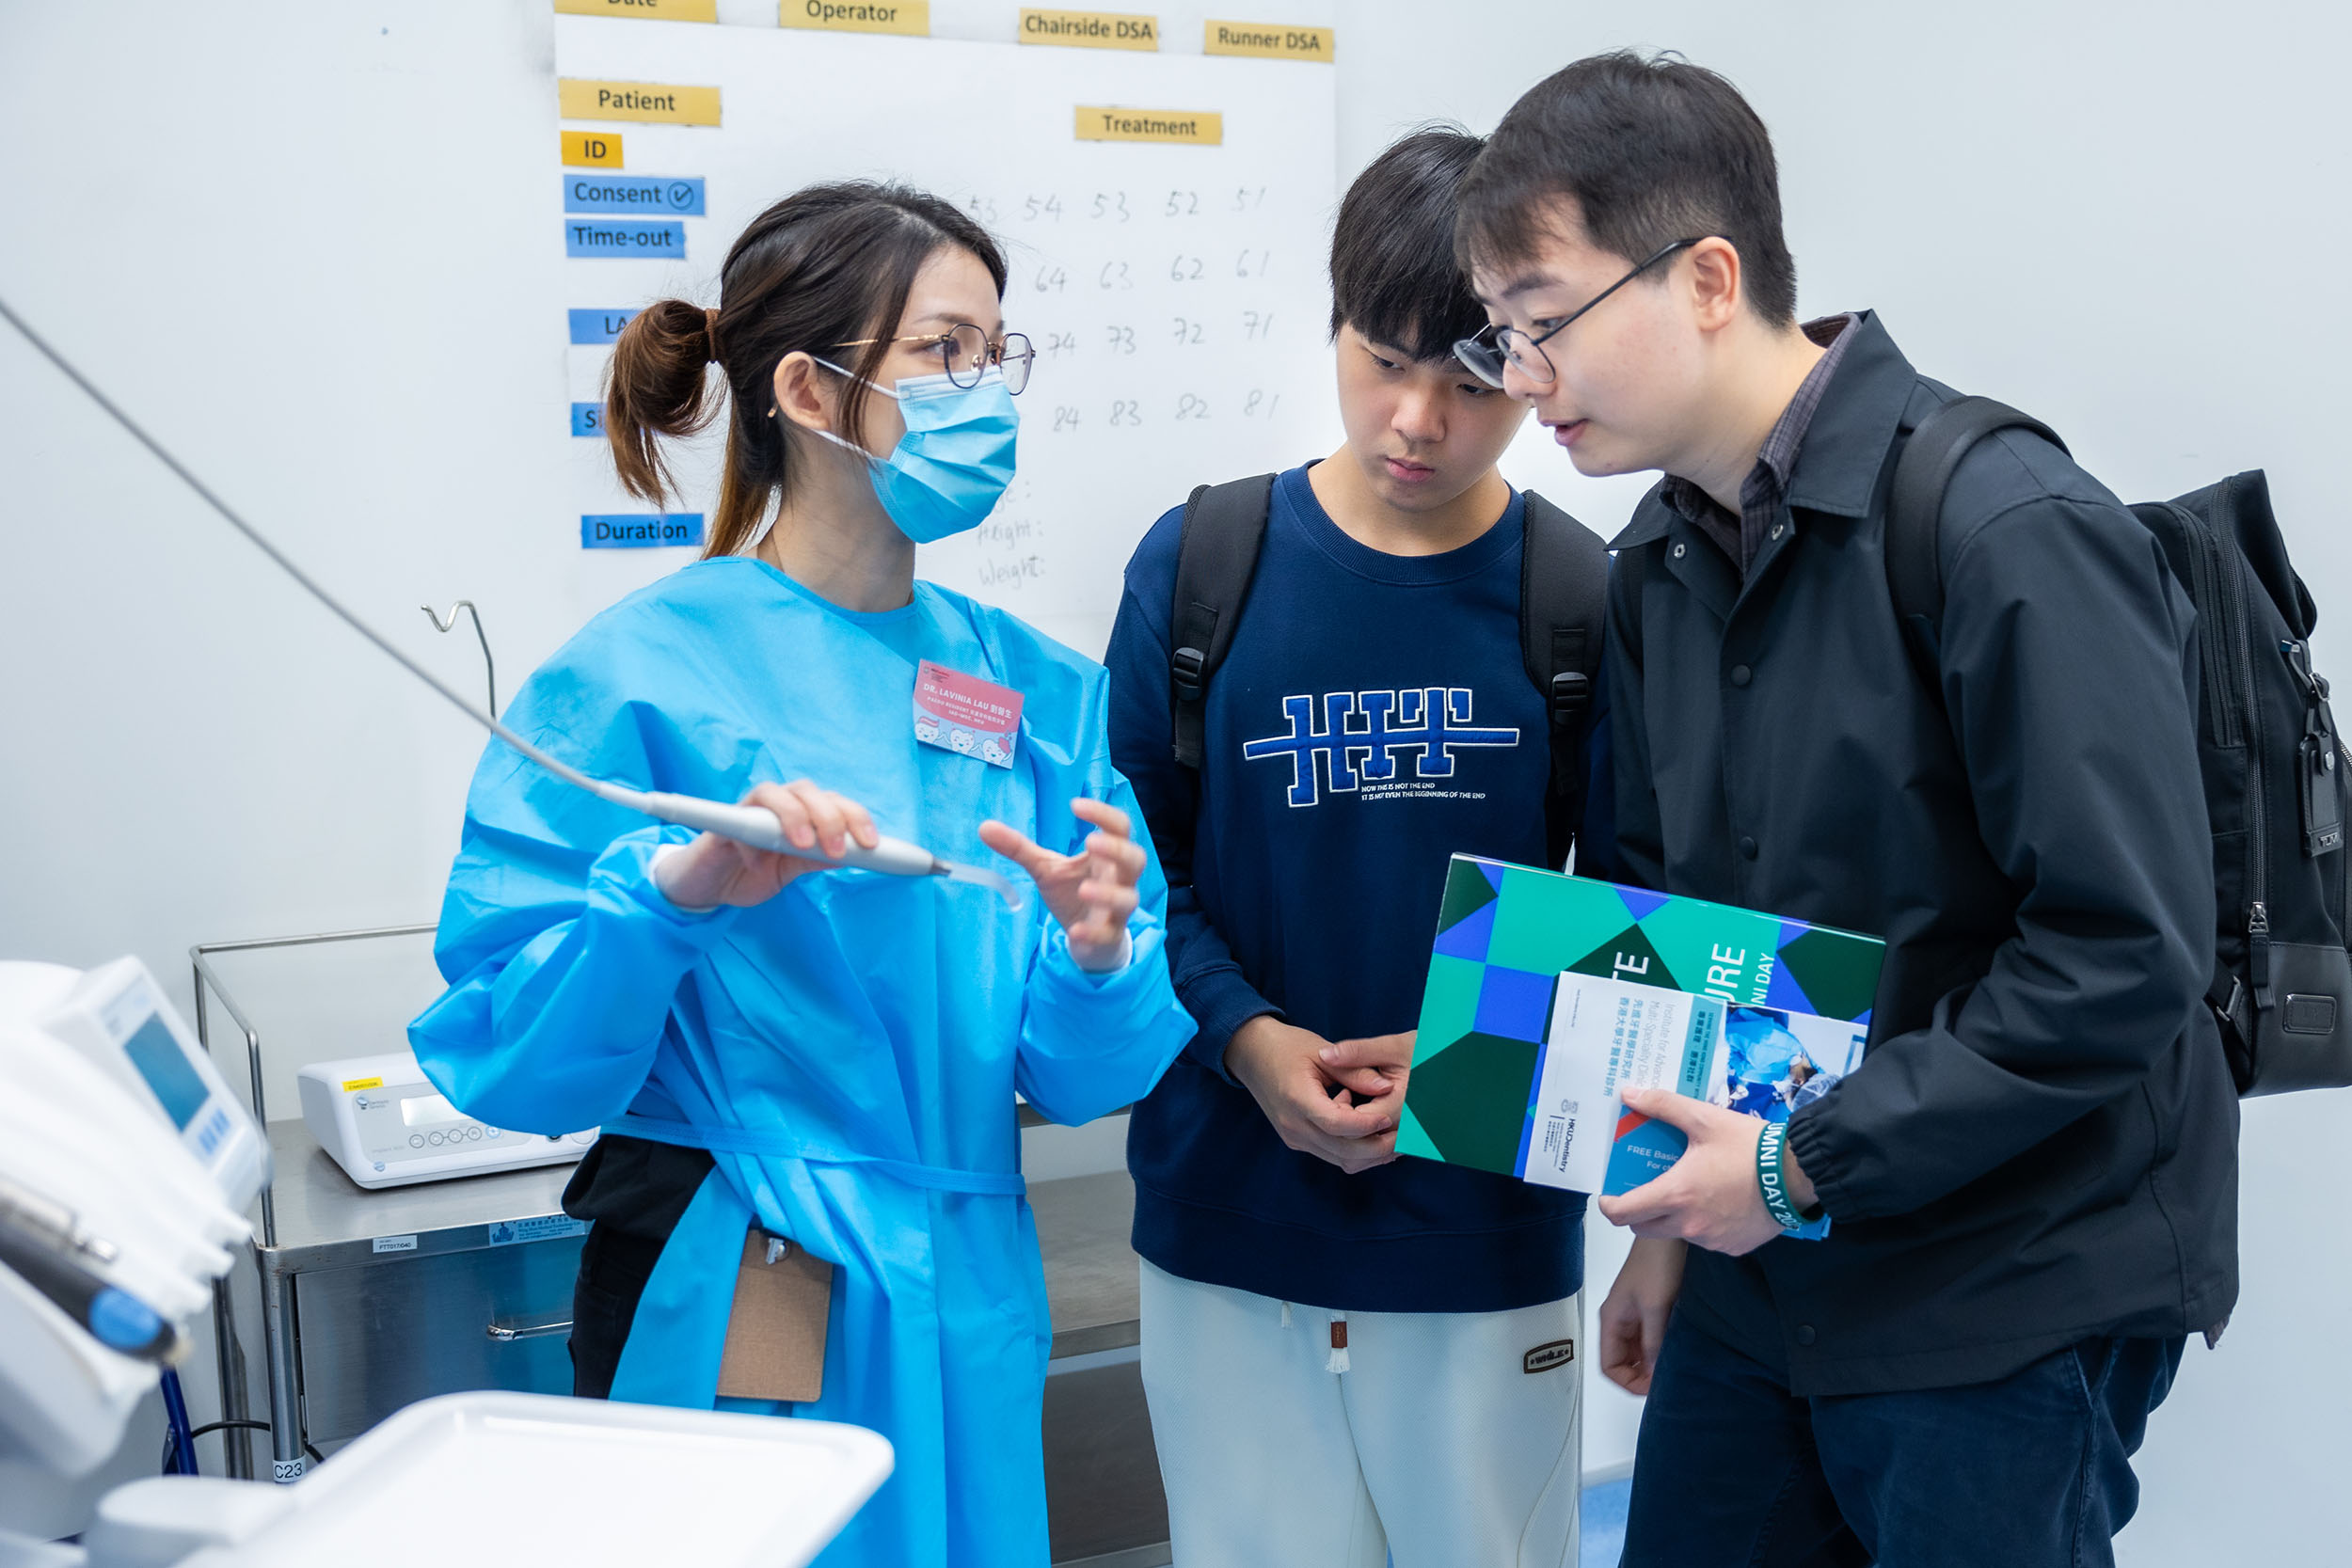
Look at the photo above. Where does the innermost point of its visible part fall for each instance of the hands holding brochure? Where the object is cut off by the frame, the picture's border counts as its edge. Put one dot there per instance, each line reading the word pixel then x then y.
pixel 1710 1196
pixel 1644 1046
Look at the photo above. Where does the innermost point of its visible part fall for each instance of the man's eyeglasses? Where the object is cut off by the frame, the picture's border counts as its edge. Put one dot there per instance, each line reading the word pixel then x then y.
pixel 965 354
pixel 1485 355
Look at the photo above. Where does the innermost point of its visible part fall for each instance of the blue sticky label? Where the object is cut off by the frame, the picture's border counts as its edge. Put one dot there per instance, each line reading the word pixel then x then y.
pixel 587 418
pixel 585 191
pixel 539 1227
pixel 598 327
pixel 640 531
pixel 609 238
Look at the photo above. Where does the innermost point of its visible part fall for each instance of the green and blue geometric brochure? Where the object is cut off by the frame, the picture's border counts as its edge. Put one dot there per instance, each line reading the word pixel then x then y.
pixel 1549 994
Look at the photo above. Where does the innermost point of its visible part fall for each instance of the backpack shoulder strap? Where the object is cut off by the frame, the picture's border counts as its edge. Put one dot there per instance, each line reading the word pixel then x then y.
pixel 1915 571
pixel 1217 554
pixel 1563 602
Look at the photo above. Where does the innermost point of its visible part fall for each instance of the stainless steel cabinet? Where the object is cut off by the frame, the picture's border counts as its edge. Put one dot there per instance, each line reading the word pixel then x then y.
pixel 375 1340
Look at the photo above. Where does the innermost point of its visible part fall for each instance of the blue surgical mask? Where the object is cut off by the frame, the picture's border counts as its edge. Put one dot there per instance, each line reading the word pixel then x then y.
pixel 950 468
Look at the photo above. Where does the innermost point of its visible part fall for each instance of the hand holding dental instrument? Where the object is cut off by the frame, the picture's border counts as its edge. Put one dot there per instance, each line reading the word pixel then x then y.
pixel 745 824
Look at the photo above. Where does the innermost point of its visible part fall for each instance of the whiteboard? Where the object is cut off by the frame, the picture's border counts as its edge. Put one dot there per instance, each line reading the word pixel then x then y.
pixel 1176 294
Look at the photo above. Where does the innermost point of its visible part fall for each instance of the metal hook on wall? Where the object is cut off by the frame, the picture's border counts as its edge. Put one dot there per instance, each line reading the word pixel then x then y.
pixel 489 666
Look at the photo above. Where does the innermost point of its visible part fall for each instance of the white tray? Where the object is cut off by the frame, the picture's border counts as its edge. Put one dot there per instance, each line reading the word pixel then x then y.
pixel 576 1482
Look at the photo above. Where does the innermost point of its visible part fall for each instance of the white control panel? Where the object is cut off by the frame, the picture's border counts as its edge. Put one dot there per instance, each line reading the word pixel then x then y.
pixel 117 1016
pixel 387 1126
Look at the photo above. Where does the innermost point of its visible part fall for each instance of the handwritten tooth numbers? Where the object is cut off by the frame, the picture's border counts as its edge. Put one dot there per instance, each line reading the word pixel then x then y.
pixel 1126 411
pixel 1186 269
pixel 1189 333
pixel 1191 408
pixel 1184 204
pixel 1123 340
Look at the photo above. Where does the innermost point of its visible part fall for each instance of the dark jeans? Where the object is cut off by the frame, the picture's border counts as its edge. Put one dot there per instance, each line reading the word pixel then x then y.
pixel 2032 1471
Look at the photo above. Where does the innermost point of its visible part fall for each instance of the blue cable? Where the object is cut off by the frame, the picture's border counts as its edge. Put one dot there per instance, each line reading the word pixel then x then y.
pixel 176 1417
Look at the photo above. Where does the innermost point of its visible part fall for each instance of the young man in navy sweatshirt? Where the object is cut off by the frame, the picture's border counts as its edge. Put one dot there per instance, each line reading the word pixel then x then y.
pixel 1346 1354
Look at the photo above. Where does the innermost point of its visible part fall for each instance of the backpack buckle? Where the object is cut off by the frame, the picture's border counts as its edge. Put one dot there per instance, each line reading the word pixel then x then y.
pixel 1571 694
pixel 1186 665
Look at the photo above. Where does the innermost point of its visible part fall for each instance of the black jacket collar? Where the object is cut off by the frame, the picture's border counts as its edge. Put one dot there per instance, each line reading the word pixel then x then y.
pixel 1844 450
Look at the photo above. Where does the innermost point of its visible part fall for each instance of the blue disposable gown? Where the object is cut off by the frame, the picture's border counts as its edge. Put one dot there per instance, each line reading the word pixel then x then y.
pixel 849 1050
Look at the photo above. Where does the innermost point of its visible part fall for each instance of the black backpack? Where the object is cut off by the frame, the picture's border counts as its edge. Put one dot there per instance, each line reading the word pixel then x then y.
pixel 2274 767
pixel 1564 590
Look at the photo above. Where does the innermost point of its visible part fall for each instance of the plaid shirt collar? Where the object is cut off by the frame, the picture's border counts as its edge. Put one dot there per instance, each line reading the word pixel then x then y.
pixel 1741 537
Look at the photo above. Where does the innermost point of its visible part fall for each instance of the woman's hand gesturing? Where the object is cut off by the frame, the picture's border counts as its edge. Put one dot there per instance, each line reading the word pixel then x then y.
pixel 1092 893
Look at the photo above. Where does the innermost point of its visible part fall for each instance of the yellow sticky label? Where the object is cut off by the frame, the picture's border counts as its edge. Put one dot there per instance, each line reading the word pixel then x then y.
pixel 653 101
pixel 350 1083
pixel 1268 41
pixel 592 149
pixel 1089 29
pixel 659 11
pixel 911 18
pixel 1199 127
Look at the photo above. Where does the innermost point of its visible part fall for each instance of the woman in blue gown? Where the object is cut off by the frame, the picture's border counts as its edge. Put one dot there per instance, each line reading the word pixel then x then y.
pixel 772 1045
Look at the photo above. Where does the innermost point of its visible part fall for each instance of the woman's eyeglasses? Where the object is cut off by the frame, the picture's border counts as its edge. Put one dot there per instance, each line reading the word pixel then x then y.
pixel 966 354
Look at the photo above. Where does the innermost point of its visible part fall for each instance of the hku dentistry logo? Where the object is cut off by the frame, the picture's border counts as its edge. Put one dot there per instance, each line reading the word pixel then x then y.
pixel 1359 734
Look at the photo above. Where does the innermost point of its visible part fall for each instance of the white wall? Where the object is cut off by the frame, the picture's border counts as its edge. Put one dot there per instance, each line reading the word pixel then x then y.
pixel 2127 221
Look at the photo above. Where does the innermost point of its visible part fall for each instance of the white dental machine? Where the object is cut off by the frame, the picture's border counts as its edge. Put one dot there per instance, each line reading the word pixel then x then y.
pixel 126 1171
pixel 379 1119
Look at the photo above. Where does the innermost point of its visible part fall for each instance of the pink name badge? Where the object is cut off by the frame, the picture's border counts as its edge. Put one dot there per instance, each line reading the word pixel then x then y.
pixel 964 714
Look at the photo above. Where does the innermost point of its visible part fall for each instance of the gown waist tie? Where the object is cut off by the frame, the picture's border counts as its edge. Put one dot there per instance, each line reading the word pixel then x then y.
pixel 782 1146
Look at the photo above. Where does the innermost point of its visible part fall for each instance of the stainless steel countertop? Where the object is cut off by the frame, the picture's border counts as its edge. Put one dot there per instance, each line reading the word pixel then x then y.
pixel 325 1220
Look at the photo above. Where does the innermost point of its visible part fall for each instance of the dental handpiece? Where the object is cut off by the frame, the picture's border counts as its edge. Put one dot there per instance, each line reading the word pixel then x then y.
pixel 757 827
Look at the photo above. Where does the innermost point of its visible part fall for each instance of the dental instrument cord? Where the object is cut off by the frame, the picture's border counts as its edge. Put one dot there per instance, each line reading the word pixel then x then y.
pixel 750 825
pixel 253 535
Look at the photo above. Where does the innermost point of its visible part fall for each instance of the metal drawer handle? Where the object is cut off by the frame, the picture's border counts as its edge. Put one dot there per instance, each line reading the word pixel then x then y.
pixel 528 1328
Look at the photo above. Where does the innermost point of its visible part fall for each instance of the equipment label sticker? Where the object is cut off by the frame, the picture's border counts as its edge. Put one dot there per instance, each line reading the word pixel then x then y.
pixel 395 1244
pixel 543 1227
pixel 965 714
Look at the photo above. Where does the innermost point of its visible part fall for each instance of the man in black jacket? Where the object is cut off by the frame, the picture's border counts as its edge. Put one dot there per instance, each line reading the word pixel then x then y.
pixel 2033 1174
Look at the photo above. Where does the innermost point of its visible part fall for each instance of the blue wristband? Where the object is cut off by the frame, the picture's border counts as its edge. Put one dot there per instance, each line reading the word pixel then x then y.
pixel 1771 1176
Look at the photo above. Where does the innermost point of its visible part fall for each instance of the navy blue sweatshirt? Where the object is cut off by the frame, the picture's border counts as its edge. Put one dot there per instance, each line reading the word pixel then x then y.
pixel 1305 882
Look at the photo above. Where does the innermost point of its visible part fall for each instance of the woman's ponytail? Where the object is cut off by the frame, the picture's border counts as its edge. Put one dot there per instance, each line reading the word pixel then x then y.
pixel 655 386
